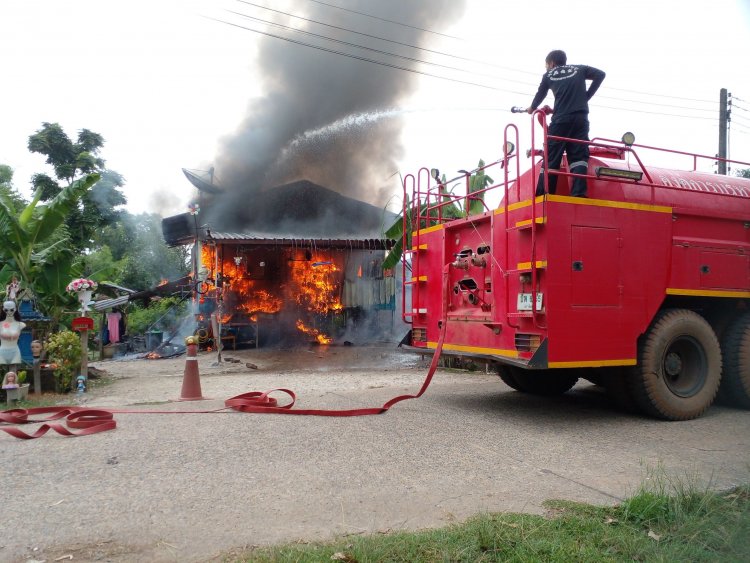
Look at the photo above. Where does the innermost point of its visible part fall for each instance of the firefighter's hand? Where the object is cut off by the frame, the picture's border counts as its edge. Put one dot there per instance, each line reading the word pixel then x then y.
pixel 529 110
pixel 547 110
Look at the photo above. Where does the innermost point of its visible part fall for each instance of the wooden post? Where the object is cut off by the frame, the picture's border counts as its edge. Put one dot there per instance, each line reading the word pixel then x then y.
pixel 37 377
pixel 85 356
pixel 83 324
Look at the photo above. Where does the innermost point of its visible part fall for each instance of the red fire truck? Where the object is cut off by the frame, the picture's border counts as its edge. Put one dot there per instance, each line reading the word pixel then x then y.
pixel 642 287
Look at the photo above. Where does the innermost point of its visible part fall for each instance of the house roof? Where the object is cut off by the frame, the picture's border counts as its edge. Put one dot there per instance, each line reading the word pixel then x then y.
pixel 296 211
pixel 271 240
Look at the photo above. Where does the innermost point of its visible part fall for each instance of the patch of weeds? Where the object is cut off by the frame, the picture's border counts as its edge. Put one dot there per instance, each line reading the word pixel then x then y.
pixel 686 524
pixel 46 400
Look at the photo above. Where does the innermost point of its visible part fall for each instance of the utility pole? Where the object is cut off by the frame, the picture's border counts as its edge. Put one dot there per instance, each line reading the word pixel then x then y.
pixel 723 126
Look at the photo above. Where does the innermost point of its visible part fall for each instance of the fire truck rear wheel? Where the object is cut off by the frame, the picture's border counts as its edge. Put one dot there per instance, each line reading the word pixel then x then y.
pixel 543 382
pixel 679 366
pixel 507 376
pixel 735 346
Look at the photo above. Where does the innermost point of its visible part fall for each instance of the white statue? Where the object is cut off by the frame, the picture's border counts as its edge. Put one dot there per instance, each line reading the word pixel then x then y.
pixel 10 330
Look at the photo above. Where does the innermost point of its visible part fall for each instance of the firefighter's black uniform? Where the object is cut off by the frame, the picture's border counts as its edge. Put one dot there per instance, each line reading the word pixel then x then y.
pixel 569 120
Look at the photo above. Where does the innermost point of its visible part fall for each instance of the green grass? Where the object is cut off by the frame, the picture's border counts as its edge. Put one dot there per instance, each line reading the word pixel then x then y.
pixel 665 522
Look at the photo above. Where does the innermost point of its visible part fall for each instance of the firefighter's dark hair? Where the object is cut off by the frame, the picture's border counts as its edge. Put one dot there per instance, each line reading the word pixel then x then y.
pixel 558 58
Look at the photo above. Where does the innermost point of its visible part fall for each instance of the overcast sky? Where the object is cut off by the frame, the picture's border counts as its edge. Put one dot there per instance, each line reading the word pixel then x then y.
pixel 166 86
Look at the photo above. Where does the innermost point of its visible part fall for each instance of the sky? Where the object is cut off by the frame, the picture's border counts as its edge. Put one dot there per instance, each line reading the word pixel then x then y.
pixel 169 87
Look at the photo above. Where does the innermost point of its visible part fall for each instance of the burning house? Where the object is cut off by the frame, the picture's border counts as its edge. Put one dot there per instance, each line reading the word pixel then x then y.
pixel 276 254
pixel 306 267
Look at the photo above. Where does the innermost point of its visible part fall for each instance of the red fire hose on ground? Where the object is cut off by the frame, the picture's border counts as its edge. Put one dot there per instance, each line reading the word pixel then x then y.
pixel 80 421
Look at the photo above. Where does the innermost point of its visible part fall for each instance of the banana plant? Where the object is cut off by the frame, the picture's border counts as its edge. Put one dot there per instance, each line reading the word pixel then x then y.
pixel 450 209
pixel 478 181
pixel 36 244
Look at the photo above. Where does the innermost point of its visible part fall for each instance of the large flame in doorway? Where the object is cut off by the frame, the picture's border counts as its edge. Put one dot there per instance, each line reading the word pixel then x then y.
pixel 312 285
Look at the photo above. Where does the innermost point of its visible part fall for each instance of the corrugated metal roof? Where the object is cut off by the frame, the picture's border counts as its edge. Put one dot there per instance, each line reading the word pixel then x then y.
pixel 258 238
pixel 105 304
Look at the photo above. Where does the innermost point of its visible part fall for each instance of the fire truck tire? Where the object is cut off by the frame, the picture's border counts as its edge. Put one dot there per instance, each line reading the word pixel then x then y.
pixel 543 382
pixel 679 366
pixel 507 376
pixel 735 347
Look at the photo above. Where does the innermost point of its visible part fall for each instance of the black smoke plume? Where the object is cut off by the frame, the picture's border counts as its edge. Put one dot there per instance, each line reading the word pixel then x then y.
pixel 324 117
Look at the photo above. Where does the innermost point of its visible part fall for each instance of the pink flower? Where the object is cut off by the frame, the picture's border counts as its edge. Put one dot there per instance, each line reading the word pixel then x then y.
pixel 81 284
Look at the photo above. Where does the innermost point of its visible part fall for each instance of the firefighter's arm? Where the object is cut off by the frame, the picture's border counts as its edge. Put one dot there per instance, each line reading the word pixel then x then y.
pixel 541 93
pixel 597 77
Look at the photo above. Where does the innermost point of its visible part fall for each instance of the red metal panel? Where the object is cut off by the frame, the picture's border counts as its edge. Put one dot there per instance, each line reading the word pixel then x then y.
pixel 595 267
pixel 723 270
pixel 632 261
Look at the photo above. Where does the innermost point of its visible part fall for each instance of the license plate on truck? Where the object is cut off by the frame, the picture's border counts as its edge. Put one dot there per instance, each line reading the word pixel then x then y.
pixel 524 301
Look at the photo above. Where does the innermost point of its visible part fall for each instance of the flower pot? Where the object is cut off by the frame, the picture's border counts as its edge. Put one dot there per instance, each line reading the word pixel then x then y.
pixel 84 296
pixel 19 394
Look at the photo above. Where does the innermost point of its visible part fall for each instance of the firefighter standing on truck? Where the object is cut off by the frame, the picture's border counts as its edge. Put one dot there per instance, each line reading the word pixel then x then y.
pixel 569 118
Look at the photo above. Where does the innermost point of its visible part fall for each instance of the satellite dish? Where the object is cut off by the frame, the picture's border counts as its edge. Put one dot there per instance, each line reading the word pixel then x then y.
pixel 200 183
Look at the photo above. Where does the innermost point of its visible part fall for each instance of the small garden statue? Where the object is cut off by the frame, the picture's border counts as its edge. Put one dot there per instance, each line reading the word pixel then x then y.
pixel 36 349
pixel 11 290
pixel 10 330
pixel 10 381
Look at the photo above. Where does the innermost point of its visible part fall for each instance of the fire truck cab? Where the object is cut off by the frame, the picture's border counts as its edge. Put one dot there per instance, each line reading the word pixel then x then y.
pixel 642 287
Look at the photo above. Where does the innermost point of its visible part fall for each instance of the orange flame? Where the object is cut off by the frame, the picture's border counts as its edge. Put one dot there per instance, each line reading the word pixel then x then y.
pixel 316 287
pixel 314 332
pixel 249 298
pixel 313 285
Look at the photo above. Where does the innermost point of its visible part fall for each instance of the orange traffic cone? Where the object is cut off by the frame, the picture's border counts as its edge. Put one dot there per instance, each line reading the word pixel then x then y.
pixel 191 383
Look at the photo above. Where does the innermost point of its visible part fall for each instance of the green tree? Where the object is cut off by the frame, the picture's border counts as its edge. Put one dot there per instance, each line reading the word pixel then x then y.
pixel 743 173
pixel 135 253
pixel 11 197
pixel 36 246
pixel 71 160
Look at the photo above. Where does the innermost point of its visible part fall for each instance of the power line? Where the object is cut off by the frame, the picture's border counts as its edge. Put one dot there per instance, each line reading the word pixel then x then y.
pixel 385 20
pixel 470 59
pixel 413 59
pixel 621 109
pixel 365 58
pixel 739 107
pixel 652 103
pixel 375 36
pixel 426 50
pixel 397 67
pixel 507 68
pixel 664 95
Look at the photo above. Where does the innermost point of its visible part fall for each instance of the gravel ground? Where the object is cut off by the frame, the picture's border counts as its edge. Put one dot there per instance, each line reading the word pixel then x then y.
pixel 194 487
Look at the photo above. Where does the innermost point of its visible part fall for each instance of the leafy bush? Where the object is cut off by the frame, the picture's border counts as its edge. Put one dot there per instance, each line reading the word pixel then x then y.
pixel 64 350
pixel 164 315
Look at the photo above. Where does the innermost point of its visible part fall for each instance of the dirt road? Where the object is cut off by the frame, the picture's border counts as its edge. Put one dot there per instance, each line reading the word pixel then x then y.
pixel 187 487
